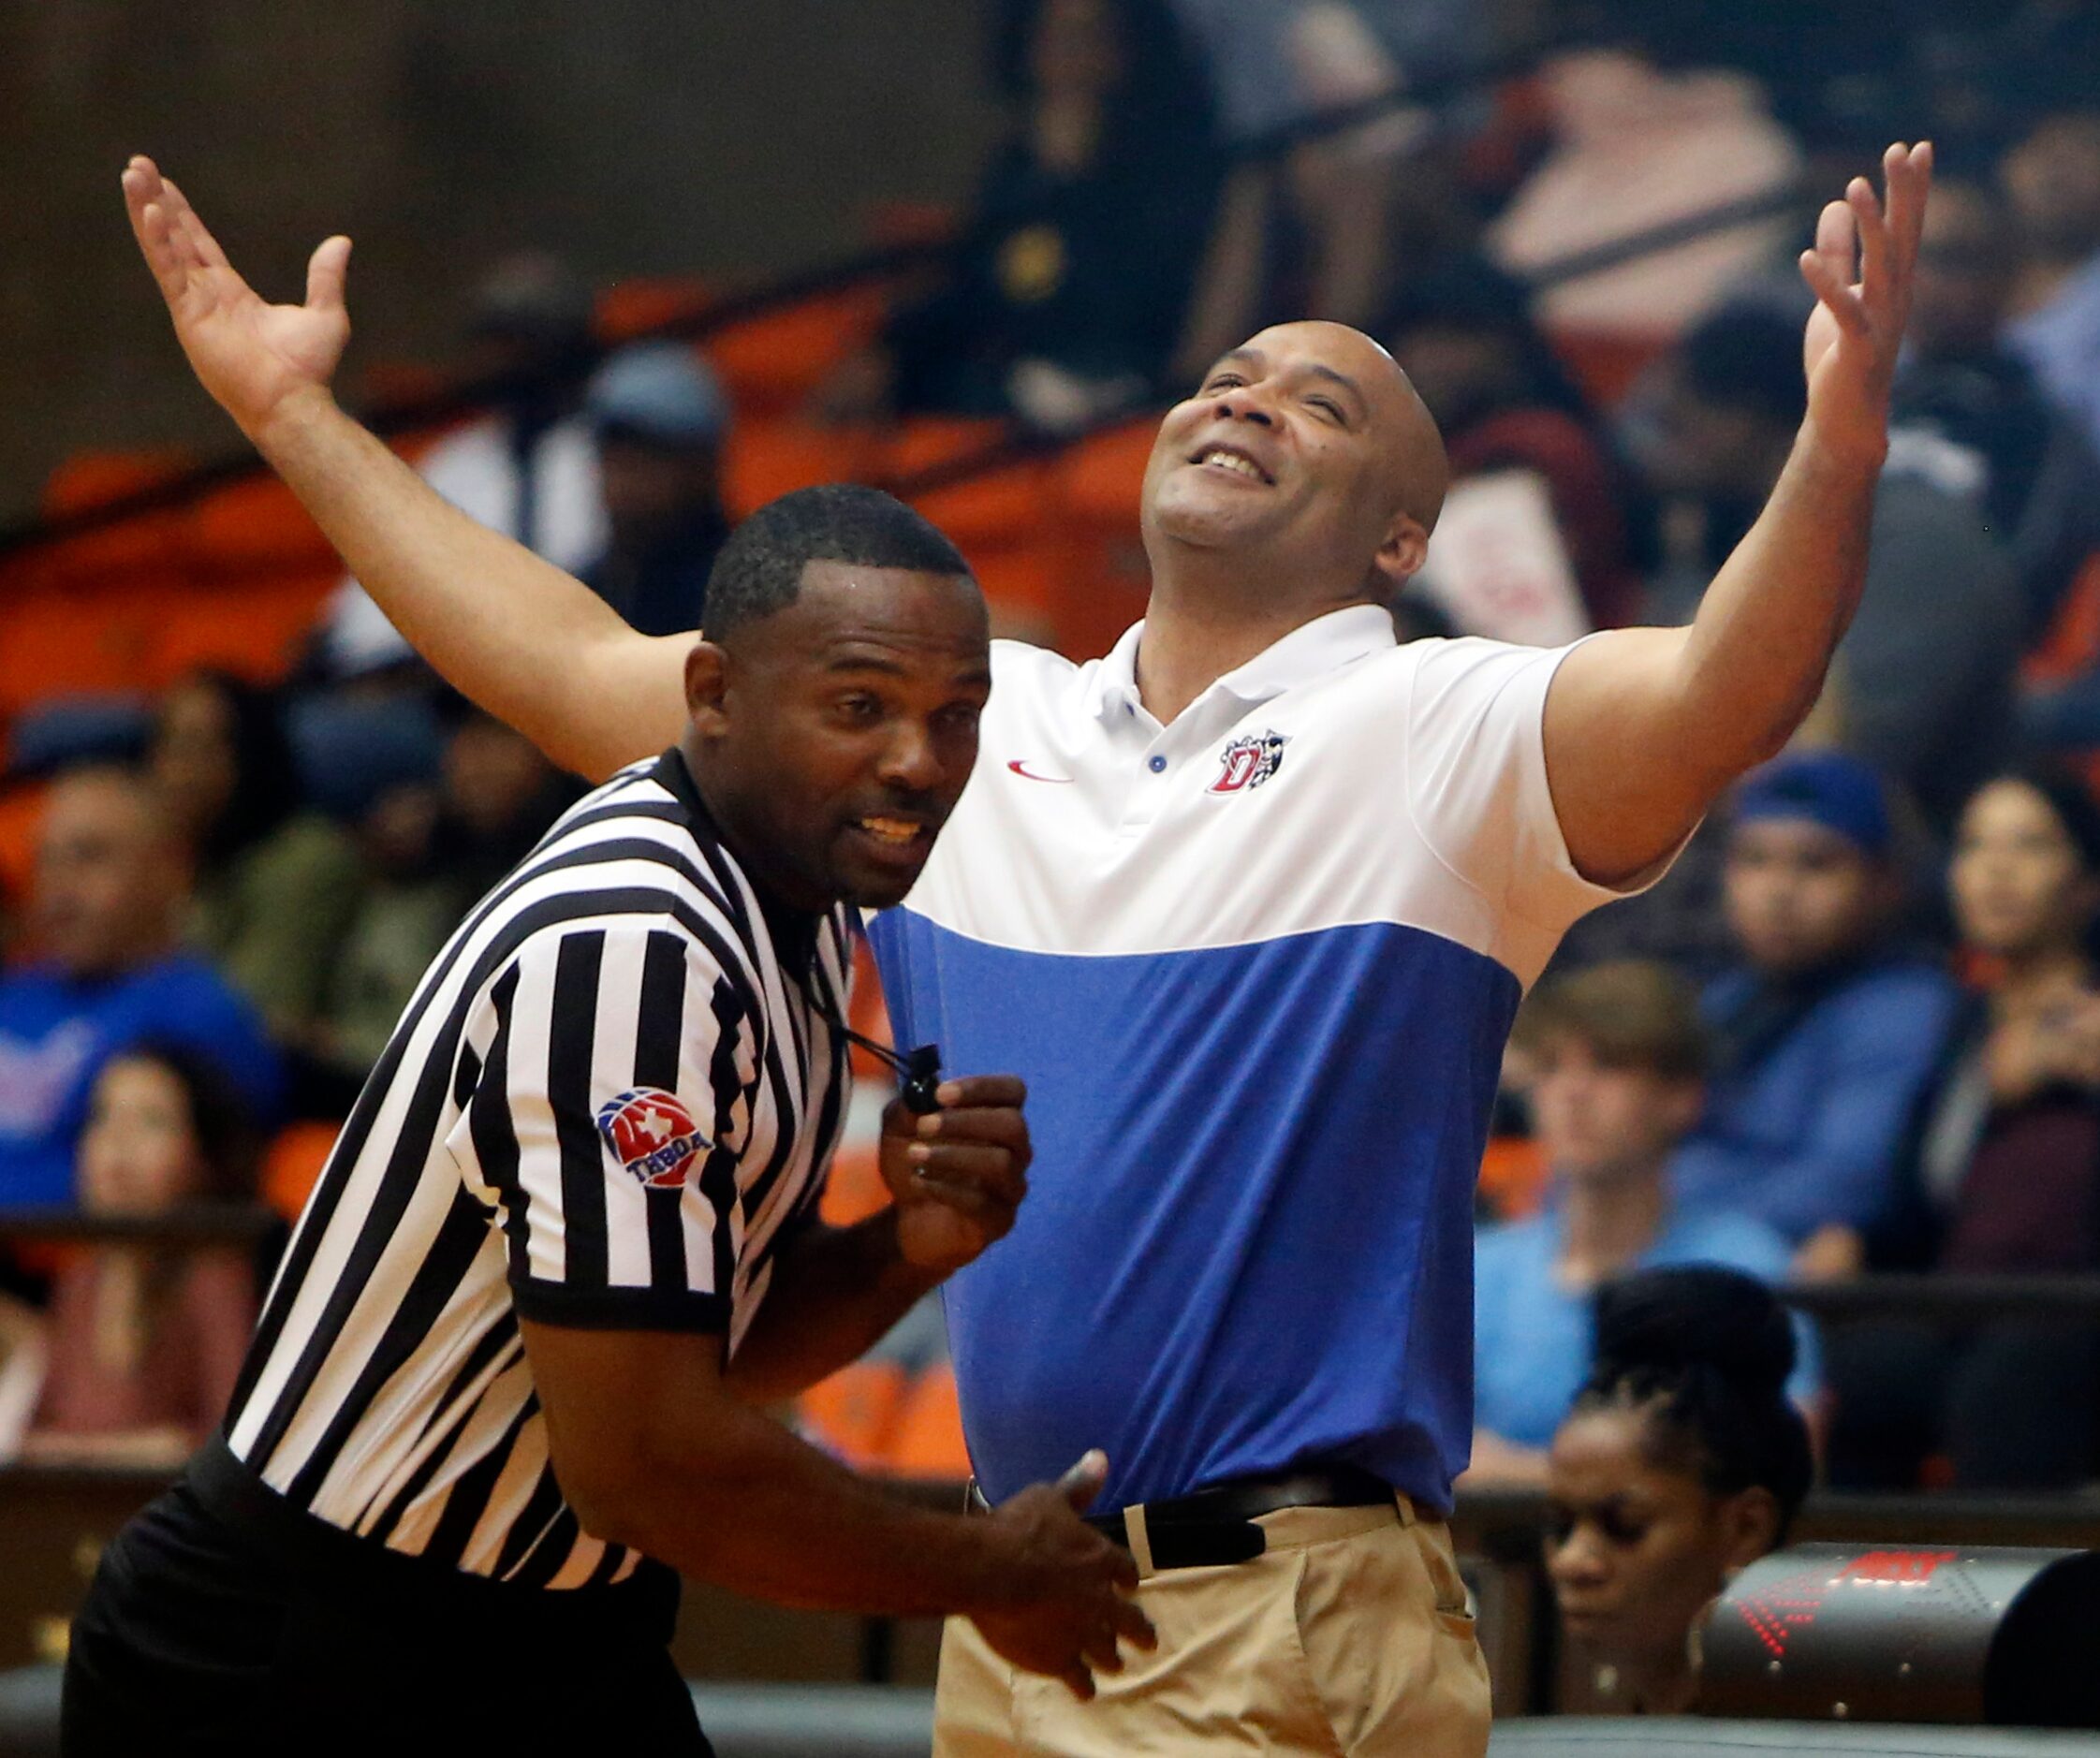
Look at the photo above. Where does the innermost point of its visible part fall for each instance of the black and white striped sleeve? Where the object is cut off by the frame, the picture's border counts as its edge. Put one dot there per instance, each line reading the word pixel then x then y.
pixel 605 1122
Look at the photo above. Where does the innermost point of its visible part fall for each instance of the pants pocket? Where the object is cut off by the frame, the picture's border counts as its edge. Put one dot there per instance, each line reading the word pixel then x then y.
pixel 1389 1645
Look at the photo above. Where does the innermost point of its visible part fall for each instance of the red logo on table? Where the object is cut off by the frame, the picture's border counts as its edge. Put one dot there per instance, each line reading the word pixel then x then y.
pixel 653 1135
pixel 1251 761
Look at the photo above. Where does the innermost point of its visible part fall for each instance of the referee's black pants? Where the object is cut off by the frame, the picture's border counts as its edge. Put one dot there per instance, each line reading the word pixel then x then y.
pixel 210 1631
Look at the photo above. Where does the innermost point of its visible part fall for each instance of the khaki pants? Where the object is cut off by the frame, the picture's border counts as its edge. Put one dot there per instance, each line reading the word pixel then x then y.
pixel 1347 1636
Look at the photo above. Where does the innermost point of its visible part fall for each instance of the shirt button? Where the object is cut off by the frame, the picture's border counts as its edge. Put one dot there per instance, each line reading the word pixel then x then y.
pixel 1155 764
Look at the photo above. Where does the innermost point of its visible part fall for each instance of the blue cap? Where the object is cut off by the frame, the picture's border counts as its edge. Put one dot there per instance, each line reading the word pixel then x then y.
pixel 1825 787
pixel 661 392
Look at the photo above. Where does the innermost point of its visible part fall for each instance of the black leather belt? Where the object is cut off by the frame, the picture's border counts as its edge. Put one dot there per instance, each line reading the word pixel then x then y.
pixel 1214 1526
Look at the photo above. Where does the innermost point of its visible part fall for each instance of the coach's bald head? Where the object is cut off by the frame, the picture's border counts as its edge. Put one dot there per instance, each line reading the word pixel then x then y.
pixel 1307 454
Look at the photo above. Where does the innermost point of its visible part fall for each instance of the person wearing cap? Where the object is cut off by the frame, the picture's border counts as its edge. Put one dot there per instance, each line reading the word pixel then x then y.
pixel 659 416
pixel 528 467
pixel 1826 1033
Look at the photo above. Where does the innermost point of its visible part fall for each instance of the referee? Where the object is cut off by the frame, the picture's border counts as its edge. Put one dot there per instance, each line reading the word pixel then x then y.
pixel 504 1385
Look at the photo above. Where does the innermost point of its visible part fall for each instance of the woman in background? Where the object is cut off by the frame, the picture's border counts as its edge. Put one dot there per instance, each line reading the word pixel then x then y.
pixel 2006 1177
pixel 276 883
pixel 1681 1463
pixel 145 1341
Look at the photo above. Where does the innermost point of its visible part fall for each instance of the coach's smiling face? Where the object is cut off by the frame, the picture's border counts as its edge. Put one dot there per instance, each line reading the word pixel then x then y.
pixel 833 738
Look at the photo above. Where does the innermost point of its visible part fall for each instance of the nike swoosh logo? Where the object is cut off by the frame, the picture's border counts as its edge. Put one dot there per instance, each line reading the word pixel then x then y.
pixel 1019 767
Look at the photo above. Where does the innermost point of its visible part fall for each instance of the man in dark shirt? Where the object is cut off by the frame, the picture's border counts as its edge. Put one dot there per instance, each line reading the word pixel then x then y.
pixel 660 419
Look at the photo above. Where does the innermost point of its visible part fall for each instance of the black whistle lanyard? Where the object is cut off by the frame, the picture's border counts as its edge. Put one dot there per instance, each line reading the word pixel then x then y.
pixel 918 1071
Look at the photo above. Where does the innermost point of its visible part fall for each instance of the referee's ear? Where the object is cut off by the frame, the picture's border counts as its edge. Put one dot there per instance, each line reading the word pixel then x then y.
pixel 707 684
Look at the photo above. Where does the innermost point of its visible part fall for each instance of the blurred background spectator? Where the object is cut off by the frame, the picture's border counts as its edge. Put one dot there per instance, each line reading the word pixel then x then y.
pixel 1924 681
pixel 144 1340
pixel 275 883
pixel 1826 1033
pixel 2007 1176
pixel 1968 414
pixel 528 468
pixel 1067 292
pixel 1681 1463
pixel 2053 177
pixel 1617 1058
pixel 110 891
pixel 660 418
pixel 1633 146
pixel 1533 542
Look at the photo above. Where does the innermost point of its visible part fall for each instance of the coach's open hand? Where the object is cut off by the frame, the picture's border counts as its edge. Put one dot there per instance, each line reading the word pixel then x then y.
pixel 252 357
pixel 1071 1586
pixel 1861 268
pixel 958 1174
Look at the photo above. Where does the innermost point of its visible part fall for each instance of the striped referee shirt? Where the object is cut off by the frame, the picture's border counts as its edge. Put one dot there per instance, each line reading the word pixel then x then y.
pixel 614 1094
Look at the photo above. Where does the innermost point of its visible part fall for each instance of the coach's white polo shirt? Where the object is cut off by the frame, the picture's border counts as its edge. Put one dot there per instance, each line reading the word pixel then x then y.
pixel 1256 967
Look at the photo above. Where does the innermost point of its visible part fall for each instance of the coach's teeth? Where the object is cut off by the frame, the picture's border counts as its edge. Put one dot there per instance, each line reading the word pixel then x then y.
pixel 890 829
pixel 1232 460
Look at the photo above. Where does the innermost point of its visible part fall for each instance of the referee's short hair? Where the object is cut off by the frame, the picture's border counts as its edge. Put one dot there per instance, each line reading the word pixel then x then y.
pixel 759 569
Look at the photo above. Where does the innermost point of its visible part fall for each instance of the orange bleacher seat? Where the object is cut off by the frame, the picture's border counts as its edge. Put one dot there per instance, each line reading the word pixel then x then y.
pixel 766 459
pixel 643 303
pixel 773 361
pixel 927 1441
pixel 257 526
pixel 1605 364
pixel 146 543
pixel 22 816
pixel 1006 507
pixel 1101 479
pixel 855 1189
pixel 293 1165
pixel 67 638
pixel 853 1414
pixel 254 628
pixel 1513 1174
pixel 1026 587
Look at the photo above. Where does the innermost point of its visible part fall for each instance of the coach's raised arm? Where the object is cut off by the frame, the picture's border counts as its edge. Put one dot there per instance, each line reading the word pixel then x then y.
pixel 1644 727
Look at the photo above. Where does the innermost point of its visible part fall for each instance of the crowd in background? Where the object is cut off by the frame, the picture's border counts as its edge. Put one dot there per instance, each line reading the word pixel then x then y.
pixel 1857 1028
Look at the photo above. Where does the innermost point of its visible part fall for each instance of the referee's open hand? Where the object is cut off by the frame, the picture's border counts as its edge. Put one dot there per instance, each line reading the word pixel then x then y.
pixel 959 1173
pixel 1071 1588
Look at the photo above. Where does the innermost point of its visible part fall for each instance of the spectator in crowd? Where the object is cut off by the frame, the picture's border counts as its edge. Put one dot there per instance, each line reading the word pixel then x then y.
pixel 107 902
pixel 1923 684
pixel 1279 63
pixel 2053 179
pixel 528 469
pixel 145 1341
pixel 1636 146
pixel 1508 412
pixel 407 910
pixel 660 418
pixel 1323 228
pixel 1966 409
pixel 500 796
pixel 2007 1175
pixel 1681 1463
pixel 1617 1054
pixel 1072 281
pixel 1827 1033
pixel 275 884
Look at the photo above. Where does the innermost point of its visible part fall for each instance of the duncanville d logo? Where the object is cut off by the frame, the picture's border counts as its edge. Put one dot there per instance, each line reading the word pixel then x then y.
pixel 653 1134
pixel 1251 761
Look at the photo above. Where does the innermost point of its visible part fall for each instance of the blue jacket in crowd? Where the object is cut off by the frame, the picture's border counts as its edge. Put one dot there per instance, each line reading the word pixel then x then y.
pixel 1812 1091
pixel 56 1032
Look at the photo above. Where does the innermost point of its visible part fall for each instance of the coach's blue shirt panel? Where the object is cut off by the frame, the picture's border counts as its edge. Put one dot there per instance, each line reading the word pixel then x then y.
pixel 1248 1225
pixel 1256 967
